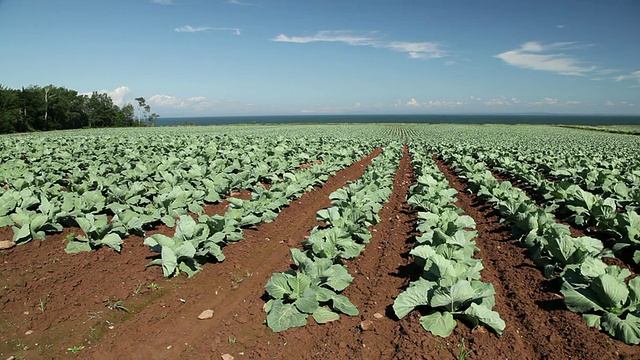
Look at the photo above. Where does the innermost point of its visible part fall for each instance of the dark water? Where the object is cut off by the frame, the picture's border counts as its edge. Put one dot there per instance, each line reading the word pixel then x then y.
pixel 429 119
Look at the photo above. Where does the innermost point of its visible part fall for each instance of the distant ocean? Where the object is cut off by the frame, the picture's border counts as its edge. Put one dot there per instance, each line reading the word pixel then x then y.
pixel 426 119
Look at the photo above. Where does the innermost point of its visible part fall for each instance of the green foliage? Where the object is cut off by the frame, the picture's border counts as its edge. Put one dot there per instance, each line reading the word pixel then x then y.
pixel 98 232
pixel 36 108
pixel 449 285
pixel 314 288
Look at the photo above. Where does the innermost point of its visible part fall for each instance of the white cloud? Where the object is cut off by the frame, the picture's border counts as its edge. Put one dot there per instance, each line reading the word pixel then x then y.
pixel 162 100
pixel 163 2
pixel 635 76
pixel 346 37
pixel 545 101
pixel 189 28
pixel 117 95
pixel 503 100
pixel 237 2
pixel 549 101
pixel 413 102
pixel 609 103
pixel 192 29
pixel 444 103
pixel 544 57
pixel 415 50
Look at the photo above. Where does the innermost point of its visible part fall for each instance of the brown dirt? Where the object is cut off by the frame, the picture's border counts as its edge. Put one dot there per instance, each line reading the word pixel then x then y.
pixel 538 325
pixel 73 288
pixel 163 324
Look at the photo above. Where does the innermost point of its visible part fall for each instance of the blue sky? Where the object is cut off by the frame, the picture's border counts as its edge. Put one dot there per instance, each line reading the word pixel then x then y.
pixel 270 57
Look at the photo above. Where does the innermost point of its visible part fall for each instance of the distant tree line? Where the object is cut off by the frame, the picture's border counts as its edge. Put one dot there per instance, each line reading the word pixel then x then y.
pixel 37 108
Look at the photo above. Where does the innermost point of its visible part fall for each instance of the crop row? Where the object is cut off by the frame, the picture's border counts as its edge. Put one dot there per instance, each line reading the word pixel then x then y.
pixel 314 287
pixel 449 283
pixel 142 182
pixel 590 287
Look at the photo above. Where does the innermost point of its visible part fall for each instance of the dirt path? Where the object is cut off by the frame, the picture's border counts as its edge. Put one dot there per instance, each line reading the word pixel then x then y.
pixel 538 325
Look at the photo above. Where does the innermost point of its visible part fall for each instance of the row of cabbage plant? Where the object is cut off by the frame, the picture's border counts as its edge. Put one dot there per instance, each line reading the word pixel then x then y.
pixel 449 285
pixel 320 274
pixel 616 215
pixel 600 292
pixel 141 182
pixel 201 241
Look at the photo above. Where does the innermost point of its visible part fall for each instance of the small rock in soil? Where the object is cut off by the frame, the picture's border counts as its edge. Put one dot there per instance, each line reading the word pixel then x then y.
pixel 227 357
pixel 6 244
pixel 378 316
pixel 207 314
pixel 366 325
pixel 29 332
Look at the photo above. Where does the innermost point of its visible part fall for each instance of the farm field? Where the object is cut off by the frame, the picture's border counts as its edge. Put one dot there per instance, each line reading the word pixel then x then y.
pixel 321 241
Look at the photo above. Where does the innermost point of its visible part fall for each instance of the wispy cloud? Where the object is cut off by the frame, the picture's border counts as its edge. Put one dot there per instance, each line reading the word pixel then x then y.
pixel 413 102
pixel 415 50
pixel 163 2
pixel 237 2
pixel 506 101
pixel 169 101
pixel 503 100
pixel 545 57
pixel 347 37
pixel 194 29
pixel 631 76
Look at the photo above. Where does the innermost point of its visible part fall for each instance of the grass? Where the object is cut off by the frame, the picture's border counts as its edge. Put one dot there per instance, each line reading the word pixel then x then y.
pixel 42 304
pixel 237 279
pixel 153 286
pixel 75 349
pixel 69 237
pixel 464 351
pixel 115 305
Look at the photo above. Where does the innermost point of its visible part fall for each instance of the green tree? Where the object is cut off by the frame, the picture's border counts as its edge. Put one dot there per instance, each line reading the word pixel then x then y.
pixel 144 113
pixel 101 110
pixel 10 114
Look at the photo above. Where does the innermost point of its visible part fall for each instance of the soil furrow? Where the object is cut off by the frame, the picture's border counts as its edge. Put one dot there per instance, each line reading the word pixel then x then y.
pixel 538 325
pixel 376 283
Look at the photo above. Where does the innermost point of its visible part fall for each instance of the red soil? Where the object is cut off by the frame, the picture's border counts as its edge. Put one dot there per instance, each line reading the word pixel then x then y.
pixel 162 323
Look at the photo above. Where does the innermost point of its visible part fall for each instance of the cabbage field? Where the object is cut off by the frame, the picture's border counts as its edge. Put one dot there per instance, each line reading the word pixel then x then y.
pixel 380 241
